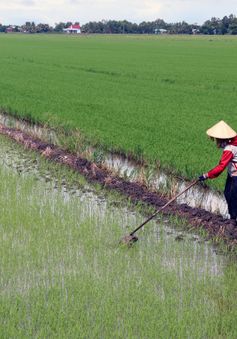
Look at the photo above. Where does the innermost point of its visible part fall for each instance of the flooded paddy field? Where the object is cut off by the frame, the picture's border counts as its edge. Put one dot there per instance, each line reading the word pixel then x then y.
pixel 152 177
pixel 138 191
pixel 63 274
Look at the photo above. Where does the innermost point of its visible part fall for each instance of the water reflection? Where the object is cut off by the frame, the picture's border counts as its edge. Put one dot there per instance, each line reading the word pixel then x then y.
pixel 195 197
pixel 179 251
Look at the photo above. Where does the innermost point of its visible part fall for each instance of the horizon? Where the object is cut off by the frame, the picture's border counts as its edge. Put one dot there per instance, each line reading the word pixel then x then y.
pixel 119 20
pixel 17 12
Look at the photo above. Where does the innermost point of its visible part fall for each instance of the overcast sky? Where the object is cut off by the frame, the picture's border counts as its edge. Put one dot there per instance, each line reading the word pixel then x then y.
pixel 52 11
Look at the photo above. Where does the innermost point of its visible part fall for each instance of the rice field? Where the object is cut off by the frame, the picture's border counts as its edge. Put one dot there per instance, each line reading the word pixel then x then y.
pixel 152 96
pixel 62 273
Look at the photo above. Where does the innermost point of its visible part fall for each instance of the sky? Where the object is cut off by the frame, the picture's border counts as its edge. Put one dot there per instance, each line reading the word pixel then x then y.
pixel 53 11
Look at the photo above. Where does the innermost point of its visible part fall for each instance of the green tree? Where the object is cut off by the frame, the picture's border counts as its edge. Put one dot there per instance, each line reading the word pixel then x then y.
pixel 59 27
pixel 43 28
pixel 29 27
pixel 233 27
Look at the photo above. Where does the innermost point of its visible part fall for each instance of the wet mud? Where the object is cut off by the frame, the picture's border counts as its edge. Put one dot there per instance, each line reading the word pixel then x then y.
pixel 216 226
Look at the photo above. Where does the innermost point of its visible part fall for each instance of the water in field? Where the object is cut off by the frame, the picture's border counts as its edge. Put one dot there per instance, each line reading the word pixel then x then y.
pixel 62 272
pixel 196 196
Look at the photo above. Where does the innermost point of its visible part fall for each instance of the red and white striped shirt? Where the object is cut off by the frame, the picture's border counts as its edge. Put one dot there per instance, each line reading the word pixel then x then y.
pixel 228 159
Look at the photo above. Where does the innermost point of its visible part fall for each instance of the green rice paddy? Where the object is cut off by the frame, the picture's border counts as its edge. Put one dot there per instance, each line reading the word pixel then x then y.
pixel 152 96
pixel 63 275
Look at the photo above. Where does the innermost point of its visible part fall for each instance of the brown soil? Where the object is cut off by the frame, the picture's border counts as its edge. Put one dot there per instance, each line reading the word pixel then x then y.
pixel 215 224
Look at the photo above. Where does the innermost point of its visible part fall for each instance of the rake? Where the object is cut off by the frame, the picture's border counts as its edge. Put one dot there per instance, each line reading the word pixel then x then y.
pixel 131 238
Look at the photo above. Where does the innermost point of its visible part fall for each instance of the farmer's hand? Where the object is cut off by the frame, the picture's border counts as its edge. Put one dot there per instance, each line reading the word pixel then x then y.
pixel 203 177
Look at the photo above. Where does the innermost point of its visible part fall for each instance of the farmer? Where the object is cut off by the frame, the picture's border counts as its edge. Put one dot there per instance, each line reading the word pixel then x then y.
pixel 226 138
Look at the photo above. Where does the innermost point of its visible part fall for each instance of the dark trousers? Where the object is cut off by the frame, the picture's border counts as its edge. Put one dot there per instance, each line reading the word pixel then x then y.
pixel 231 196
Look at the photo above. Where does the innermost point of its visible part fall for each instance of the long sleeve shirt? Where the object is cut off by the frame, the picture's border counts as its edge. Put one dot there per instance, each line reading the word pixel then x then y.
pixel 228 159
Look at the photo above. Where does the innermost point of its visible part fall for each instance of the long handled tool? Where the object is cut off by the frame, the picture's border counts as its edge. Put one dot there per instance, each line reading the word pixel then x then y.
pixel 131 238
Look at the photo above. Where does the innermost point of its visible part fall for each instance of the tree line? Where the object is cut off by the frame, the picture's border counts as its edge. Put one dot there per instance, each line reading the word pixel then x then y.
pixel 226 25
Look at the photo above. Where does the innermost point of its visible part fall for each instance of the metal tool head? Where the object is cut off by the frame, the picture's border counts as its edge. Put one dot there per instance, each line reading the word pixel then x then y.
pixel 128 240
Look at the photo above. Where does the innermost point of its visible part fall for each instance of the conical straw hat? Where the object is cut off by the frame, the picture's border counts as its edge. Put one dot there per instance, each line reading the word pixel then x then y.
pixel 221 131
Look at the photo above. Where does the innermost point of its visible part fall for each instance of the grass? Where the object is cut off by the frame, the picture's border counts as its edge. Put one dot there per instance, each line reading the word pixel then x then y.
pixel 62 273
pixel 150 96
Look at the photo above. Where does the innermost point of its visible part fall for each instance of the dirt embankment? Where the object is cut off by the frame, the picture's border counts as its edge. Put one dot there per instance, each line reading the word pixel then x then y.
pixel 214 224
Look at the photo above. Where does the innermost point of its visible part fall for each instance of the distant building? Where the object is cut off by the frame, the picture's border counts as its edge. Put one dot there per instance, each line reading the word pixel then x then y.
pixel 195 31
pixel 160 31
pixel 10 29
pixel 73 29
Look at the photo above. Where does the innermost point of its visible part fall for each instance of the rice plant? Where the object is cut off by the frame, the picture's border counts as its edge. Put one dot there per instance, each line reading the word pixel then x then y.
pixel 62 273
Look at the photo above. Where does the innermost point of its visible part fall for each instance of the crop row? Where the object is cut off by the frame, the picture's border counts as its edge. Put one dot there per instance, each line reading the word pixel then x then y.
pixel 152 97
pixel 64 275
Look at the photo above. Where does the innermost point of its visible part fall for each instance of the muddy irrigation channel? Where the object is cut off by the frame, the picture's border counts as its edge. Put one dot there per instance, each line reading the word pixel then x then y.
pixel 200 207
pixel 154 179
pixel 63 273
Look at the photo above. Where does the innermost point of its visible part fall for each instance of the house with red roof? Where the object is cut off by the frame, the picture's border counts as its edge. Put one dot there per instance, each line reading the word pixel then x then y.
pixel 73 29
pixel 10 29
